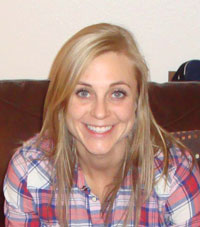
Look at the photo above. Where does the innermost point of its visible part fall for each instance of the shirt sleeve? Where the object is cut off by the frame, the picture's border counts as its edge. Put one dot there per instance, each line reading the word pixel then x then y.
pixel 19 207
pixel 183 204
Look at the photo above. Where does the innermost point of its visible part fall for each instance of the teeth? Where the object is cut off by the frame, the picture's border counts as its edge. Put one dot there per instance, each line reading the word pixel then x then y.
pixel 99 129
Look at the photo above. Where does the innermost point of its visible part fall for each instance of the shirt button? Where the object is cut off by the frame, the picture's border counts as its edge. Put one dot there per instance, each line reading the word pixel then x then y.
pixel 94 199
pixel 197 156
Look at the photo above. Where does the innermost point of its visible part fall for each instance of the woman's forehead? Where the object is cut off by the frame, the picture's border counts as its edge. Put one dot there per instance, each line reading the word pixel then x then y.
pixel 109 68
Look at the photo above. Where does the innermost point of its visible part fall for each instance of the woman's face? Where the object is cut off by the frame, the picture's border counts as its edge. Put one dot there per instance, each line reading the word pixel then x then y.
pixel 101 110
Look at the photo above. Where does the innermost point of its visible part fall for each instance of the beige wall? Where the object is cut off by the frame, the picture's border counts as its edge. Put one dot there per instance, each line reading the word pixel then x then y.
pixel 32 31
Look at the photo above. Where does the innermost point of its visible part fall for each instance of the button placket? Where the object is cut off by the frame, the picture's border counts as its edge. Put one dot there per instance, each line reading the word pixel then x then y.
pixel 95 210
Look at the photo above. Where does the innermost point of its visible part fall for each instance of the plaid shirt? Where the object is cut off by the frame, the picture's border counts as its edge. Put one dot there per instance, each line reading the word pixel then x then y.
pixel 27 190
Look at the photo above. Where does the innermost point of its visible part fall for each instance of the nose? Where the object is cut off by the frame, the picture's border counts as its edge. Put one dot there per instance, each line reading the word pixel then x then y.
pixel 100 109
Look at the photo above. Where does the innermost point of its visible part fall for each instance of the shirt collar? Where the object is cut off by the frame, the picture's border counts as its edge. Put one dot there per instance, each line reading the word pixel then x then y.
pixel 80 182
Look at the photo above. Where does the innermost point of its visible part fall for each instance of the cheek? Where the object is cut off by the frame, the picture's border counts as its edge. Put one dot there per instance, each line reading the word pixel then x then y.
pixel 126 112
pixel 74 113
pixel 72 119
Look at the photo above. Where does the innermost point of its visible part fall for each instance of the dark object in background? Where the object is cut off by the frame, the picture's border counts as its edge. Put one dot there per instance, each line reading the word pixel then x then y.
pixel 188 71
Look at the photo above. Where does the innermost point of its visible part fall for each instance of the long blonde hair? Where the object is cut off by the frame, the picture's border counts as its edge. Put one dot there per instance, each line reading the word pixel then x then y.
pixel 69 64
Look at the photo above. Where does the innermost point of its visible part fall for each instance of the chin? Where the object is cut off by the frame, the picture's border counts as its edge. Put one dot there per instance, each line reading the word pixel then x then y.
pixel 98 153
pixel 95 151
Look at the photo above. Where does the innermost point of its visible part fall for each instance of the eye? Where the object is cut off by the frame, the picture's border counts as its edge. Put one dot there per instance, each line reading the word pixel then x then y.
pixel 119 94
pixel 83 93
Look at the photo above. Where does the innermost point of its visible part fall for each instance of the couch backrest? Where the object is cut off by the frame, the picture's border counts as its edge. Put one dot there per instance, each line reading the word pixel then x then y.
pixel 176 107
pixel 21 105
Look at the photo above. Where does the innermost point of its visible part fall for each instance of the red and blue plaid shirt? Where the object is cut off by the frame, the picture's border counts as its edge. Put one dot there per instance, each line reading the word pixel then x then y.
pixel 28 189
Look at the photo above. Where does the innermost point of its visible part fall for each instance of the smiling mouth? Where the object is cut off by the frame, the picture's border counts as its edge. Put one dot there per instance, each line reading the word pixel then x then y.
pixel 99 129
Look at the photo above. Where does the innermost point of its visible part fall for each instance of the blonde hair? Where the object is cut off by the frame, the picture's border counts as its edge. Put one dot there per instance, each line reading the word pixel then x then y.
pixel 69 64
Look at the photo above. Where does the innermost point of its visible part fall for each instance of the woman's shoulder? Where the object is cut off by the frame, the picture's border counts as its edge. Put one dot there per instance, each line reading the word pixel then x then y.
pixel 33 149
pixel 30 163
pixel 180 166
pixel 28 171
pixel 176 156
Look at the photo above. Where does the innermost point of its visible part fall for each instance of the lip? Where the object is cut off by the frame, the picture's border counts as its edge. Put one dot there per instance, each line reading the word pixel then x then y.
pixel 99 134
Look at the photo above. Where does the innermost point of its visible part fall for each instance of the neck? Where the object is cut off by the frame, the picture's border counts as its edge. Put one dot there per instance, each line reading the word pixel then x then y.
pixel 100 173
pixel 101 165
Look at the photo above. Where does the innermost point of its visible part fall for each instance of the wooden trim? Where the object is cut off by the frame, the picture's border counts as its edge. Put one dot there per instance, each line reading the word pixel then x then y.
pixel 170 75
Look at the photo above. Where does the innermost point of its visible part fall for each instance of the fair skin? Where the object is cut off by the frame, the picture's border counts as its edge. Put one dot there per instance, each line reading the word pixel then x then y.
pixel 101 115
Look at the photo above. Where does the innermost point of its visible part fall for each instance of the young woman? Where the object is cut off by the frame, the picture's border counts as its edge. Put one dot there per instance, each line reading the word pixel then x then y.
pixel 101 159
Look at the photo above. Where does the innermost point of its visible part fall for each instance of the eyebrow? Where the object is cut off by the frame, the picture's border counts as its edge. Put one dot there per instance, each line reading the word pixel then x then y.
pixel 84 84
pixel 113 84
pixel 120 83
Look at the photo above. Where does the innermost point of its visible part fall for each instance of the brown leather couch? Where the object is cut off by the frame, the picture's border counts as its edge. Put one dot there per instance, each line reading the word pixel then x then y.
pixel 175 105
